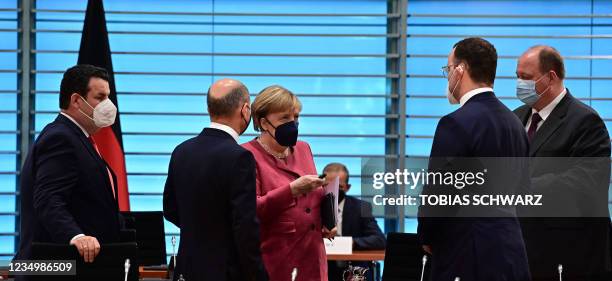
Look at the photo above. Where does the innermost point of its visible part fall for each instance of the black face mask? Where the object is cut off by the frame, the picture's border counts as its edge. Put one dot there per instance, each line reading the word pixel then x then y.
pixel 341 195
pixel 248 123
pixel 285 134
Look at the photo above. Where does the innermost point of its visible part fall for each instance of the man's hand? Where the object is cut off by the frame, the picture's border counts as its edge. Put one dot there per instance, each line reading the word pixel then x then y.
pixel 88 247
pixel 427 249
pixel 329 233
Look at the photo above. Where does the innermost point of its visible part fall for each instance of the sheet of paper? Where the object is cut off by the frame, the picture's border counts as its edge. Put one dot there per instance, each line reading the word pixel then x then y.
pixel 341 245
pixel 333 187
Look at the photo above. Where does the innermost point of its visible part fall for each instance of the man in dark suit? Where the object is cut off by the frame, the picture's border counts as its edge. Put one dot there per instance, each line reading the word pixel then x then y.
pixel 68 193
pixel 574 232
pixel 355 220
pixel 465 244
pixel 210 194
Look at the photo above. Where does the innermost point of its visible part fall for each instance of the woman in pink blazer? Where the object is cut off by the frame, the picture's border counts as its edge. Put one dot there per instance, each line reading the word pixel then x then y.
pixel 289 191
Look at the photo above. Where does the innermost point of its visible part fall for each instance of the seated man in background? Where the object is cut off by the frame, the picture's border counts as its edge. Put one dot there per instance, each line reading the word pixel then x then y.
pixel 354 219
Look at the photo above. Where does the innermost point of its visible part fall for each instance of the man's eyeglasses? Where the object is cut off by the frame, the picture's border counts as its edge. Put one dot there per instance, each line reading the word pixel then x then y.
pixel 446 70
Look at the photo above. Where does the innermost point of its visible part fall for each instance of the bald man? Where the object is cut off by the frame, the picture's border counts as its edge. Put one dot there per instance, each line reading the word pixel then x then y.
pixel 572 227
pixel 210 194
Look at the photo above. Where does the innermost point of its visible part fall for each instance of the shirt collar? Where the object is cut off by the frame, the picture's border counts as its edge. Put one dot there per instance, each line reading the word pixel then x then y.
pixel 226 129
pixel 75 122
pixel 472 93
pixel 341 204
pixel 547 110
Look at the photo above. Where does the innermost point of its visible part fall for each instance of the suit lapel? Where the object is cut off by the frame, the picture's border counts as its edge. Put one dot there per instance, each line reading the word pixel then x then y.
pixel 86 143
pixel 523 114
pixel 92 152
pixel 290 165
pixel 347 225
pixel 115 192
pixel 552 123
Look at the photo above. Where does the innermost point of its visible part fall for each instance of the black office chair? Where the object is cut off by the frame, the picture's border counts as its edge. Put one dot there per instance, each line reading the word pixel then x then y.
pixel 108 265
pixel 403 258
pixel 610 245
pixel 150 236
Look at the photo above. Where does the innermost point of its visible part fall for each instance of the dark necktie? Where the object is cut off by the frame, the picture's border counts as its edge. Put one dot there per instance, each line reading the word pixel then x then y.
pixel 533 127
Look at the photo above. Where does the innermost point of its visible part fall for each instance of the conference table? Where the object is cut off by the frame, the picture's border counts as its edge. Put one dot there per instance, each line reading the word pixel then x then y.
pixel 377 255
pixel 371 256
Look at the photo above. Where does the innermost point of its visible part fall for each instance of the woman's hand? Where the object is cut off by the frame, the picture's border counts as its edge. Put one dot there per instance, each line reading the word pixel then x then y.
pixel 305 184
pixel 329 234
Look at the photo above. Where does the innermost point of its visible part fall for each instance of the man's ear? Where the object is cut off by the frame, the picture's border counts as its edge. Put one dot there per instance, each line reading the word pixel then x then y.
pixel 246 108
pixel 553 75
pixel 74 97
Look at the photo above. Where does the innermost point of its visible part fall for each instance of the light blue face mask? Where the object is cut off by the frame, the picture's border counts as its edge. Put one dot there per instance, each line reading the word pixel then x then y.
pixel 526 91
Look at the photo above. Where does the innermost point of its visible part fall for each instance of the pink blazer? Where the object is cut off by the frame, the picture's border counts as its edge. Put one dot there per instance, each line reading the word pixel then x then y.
pixel 290 227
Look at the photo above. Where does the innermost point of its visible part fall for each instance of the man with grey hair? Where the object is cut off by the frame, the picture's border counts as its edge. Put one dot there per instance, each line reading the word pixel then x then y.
pixel 573 232
pixel 210 194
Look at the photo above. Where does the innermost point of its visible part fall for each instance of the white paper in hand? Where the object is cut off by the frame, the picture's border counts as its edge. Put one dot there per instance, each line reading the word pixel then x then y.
pixel 332 187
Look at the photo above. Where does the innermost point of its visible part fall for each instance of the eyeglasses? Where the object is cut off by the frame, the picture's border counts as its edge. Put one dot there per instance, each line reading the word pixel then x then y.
pixel 446 70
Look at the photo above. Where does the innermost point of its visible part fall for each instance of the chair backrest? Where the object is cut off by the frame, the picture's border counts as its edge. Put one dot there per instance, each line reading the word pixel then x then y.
pixel 150 236
pixel 403 258
pixel 108 265
pixel 610 240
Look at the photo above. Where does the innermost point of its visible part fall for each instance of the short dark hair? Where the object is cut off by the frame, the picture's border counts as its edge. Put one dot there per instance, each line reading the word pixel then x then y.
pixel 550 59
pixel 76 80
pixel 335 167
pixel 480 57
pixel 225 106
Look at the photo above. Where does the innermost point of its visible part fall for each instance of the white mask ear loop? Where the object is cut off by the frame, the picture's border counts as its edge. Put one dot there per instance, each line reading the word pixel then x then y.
pixel 92 109
pixel 456 84
pixel 547 88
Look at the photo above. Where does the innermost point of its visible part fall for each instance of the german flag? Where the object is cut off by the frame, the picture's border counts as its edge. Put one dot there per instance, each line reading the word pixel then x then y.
pixel 95 50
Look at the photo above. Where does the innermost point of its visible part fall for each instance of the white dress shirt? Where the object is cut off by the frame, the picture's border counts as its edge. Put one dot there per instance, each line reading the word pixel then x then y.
pixel 226 129
pixel 545 112
pixel 472 93
pixel 340 210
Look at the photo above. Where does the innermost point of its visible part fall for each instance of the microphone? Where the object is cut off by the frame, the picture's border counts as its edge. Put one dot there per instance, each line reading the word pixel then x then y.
pixel 294 274
pixel 127 268
pixel 423 268
pixel 560 269
pixel 173 240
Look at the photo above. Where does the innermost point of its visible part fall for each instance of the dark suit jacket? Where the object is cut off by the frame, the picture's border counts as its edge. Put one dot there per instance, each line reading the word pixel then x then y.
pixel 65 190
pixel 580 241
pixel 476 248
pixel 357 222
pixel 210 196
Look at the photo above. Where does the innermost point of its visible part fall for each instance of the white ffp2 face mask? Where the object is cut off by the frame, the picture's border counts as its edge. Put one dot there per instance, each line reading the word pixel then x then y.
pixel 103 114
pixel 449 94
